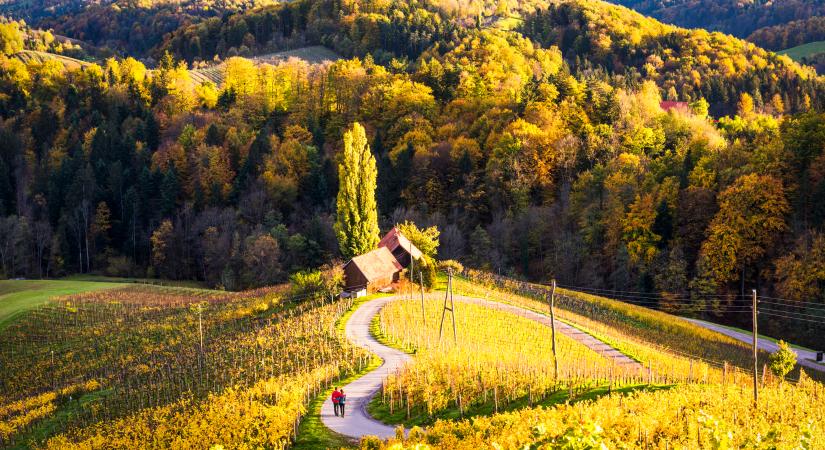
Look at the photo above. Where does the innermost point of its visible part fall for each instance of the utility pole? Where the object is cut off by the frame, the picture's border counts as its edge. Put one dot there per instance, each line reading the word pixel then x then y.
pixel 412 271
pixel 200 323
pixel 451 308
pixel 553 329
pixel 421 281
pixel 755 354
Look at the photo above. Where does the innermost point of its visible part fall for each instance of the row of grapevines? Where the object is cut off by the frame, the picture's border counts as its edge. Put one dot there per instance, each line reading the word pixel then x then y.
pixel 674 349
pixel 788 417
pixel 149 349
pixel 498 358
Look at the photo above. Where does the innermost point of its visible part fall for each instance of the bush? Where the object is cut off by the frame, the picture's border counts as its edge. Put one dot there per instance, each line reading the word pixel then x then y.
pixel 120 266
pixel 450 264
pixel 329 280
pixel 427 267
pixel 782 360
pixel 370 443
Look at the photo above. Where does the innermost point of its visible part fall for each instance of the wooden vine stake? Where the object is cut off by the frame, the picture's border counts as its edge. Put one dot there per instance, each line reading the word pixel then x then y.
pixel 553 329
pixel 421 281
pixel 755 355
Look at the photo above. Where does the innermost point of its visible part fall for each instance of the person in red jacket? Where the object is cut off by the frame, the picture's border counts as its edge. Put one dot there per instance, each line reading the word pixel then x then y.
pixel 336 395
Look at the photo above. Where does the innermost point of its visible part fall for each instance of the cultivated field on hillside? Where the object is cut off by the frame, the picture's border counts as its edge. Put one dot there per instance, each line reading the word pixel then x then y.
pixel 315 54
pixel 645 333
pixel 215 73
pixel 500 361
pixel 107 366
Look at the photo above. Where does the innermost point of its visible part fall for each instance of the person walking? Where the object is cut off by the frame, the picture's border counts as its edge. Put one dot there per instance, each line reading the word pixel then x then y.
pixel 342 400
pixel 336 397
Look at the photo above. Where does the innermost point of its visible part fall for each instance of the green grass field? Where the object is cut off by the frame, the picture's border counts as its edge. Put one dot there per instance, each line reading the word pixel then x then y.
pixel 801 51
pixel 189 284
pixel 18 296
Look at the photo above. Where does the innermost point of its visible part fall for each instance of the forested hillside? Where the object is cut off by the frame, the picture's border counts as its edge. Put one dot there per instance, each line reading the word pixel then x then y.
pixel 728 16
pixel 791 34
pixel 542 151
pixel 127 27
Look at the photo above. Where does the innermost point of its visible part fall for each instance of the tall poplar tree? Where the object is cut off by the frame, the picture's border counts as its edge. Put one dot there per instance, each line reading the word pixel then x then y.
pixel 356 224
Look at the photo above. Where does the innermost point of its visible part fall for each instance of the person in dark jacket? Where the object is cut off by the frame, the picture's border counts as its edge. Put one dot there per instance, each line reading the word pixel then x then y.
pixel 342 400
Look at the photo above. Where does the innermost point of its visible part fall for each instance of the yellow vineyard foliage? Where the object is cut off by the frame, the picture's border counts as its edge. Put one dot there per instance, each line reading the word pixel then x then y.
pixel 262 416
pixel 686 417
pixel 499 357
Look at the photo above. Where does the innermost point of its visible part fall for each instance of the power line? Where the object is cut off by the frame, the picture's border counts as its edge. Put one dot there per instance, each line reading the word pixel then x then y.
pixel 797 305
pixel 820 321
pixel 617 291
pixel 647 301
pixel 776 311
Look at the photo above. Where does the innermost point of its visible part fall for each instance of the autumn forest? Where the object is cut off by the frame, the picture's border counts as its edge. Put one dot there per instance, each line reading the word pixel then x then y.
pixel 575 140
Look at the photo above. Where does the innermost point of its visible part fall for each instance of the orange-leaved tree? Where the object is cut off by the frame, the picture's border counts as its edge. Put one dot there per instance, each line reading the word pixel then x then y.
pixel 750 220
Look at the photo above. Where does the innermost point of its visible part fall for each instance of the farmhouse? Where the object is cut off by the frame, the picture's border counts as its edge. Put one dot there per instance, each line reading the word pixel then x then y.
pixel 379 268
pixel 674 106
pixel 401 247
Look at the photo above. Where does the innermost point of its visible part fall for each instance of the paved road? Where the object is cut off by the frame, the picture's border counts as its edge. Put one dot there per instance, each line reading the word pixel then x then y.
pixel 805 358
pixel 583 338
pixel 358 422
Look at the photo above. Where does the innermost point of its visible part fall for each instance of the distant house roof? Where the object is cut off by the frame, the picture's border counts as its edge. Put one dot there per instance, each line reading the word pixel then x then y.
pixel 394 239
pixel 377 264
pixel 679 106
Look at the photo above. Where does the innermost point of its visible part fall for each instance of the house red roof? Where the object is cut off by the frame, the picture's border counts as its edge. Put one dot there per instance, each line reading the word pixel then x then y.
pixel 377 264
pixel 394 239
pixel 668 105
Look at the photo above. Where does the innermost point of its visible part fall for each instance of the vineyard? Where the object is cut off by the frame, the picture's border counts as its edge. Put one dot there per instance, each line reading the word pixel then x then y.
pixel 213 367
pixel 37 57
pixel 140 366
pixel 648 335
pixel 500 360
pixel 494 387
pixel 689 416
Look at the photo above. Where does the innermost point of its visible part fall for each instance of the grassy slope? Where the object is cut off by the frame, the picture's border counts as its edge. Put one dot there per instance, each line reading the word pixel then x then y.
pixel 192 284
pixel 801 51
pixel 17 296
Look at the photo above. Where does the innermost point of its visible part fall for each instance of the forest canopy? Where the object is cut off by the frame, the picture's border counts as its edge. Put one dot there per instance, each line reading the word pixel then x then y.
pixel 588 144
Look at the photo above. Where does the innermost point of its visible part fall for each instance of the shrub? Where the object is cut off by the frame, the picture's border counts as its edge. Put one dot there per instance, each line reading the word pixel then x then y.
pixel 329 280
pixel 450 264
pixel 370 443
pixel 782 360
